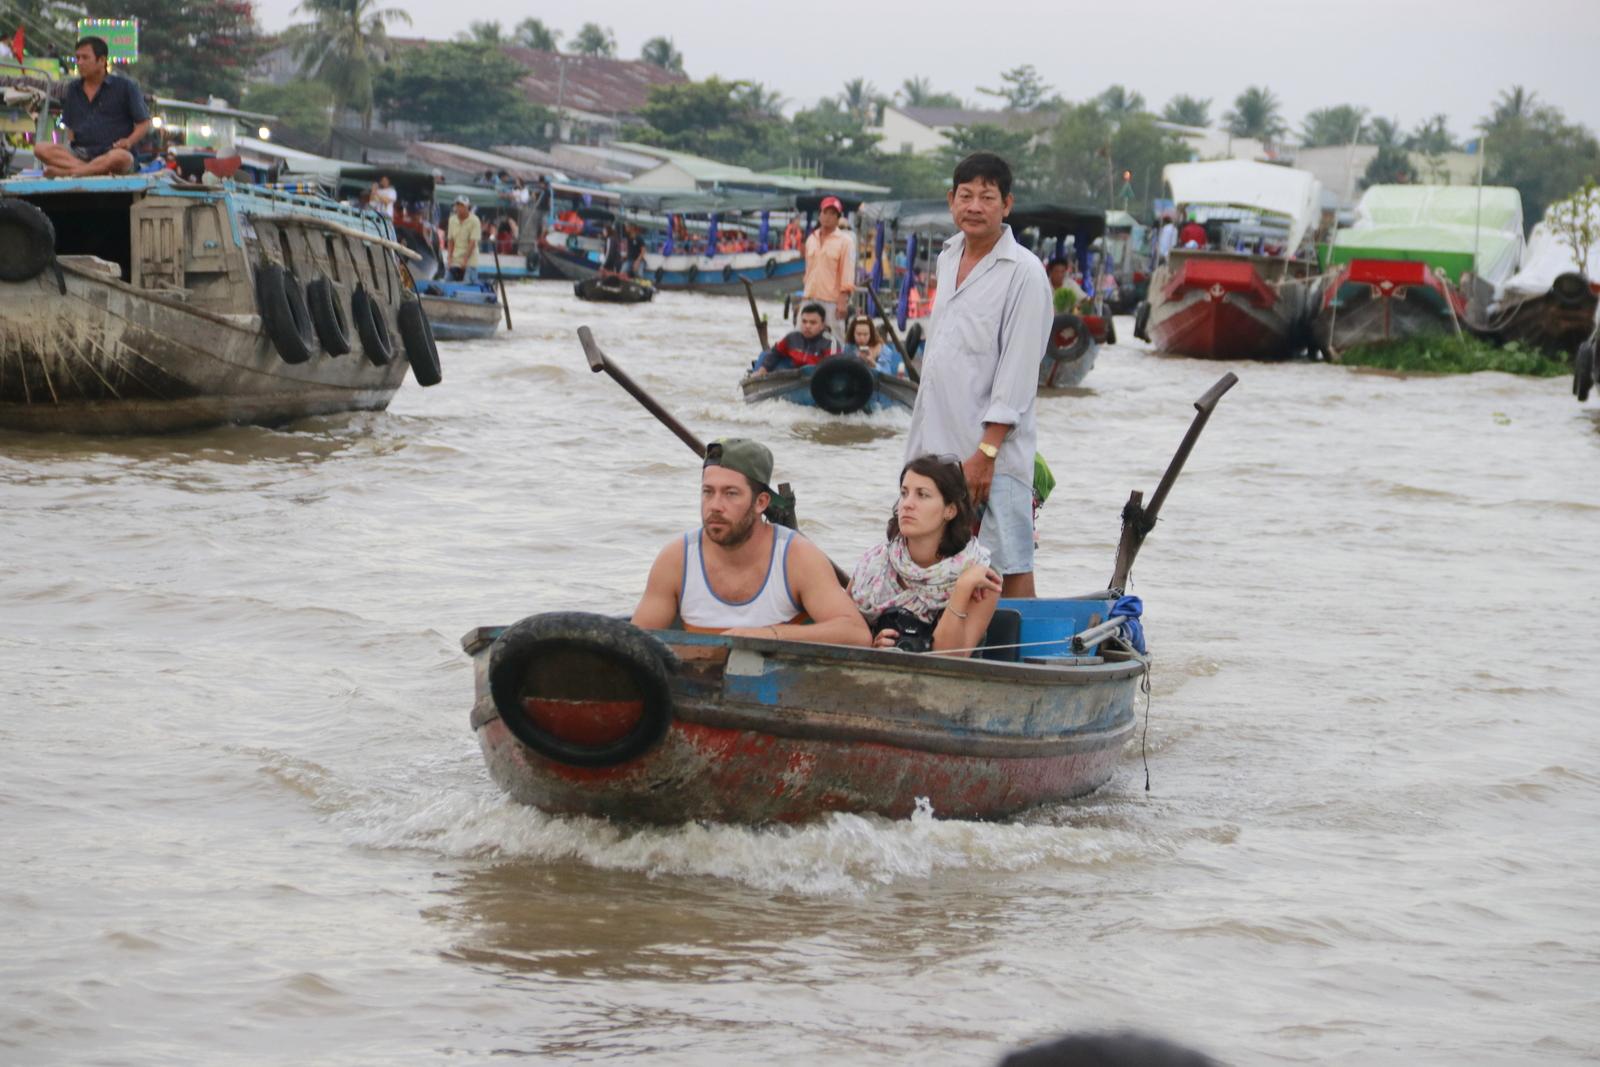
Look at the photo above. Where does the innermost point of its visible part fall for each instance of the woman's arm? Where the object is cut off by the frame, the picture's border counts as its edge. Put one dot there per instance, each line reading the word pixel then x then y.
pixel 969 611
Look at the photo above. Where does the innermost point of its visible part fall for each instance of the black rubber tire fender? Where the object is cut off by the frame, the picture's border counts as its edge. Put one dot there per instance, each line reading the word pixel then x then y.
pixel 284 315
pixel 913 340
pixel 27 240
pixel 658 274
pixel 1583 370
pixel 327 315
pixel 693 273
pixel 728 273
pixel 416 336
pixel 1571 288
pixel 1075 347
pixel 1111 328
pixel 631 651
pixel 370 327
pixel 770 267
pixel 1141 320
pixel 842 385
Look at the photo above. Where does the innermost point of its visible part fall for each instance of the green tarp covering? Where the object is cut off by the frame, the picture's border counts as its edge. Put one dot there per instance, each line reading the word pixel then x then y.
pixel 1444 226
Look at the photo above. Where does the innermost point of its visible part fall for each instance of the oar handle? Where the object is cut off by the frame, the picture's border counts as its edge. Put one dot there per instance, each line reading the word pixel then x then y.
pixel 755 313
pixel 1095 634
pixel 1214 394
pixel 598 362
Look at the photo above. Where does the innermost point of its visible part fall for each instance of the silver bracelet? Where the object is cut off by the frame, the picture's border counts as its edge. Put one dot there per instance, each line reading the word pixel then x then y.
pixel 957 614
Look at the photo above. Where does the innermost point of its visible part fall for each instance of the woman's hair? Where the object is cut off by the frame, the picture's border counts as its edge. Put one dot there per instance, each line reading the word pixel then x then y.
pixel 850 334
pixel 951 482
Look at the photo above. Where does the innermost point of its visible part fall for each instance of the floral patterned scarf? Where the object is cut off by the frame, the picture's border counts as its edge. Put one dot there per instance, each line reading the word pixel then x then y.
pixel 887 577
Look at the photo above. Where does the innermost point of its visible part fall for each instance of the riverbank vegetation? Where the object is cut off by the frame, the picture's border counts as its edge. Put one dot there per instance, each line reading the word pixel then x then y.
pixel 1449 354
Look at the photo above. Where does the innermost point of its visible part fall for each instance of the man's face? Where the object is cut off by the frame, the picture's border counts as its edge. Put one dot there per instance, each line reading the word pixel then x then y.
pixel 830 218
pixel 1058 275
pixel 461 212
pixel 978 209
pixel 88 62
pixel 728 507
pixel 810 324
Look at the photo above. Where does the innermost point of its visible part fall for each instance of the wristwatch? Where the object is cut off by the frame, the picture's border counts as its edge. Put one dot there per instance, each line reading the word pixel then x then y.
pixel 987 449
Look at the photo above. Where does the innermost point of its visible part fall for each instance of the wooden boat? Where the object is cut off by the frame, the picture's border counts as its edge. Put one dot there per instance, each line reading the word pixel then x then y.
pixel 1075 339
pixel 1246 295
pixel 839 385
pixel 613 289
pixel 584 714
pixel 1405 267
pixel 144 304
pixel 1550 303
pixel 461 311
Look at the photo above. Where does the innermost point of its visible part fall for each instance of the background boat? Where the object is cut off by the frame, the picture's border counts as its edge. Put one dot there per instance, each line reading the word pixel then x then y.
pixel 461 311
pixel 1550 302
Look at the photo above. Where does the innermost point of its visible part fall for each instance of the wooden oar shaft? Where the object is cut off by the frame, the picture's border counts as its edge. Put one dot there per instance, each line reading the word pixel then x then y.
pixel 500 280
pixel 755 313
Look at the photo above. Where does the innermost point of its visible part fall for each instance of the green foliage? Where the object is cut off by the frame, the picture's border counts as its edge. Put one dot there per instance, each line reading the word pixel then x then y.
pixel 1088 153
pixel 1449 354
pixel 1432 137
pixel 194 50
pixel 1385 133
pixel 1256 113
pixel 1010 145
pixel 467 92
pixel 483 33
pixel 1536 150
pixel 1332 126
pixel 302 110
pixel 861 101
pixel 1187 110
pixel 708 118
pixel 1391 166
pixel 594 39
pixel 343 45
pixel 1118 102
pixel 919 92
pixel 1022 89
pixel 533 33
pixel 1577 220
pixel 661 52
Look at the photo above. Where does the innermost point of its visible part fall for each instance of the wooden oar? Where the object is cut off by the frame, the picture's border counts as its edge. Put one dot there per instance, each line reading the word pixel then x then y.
pixel 889 332
pixel 501 279
pixel 761 323
pixel 780 511
pixel 1138 520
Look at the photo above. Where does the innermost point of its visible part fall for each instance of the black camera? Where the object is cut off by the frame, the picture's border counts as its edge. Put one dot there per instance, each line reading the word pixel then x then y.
pixel 914 634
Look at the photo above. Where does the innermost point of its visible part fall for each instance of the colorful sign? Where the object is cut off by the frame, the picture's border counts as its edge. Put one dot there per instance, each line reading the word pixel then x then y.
pixel 121 37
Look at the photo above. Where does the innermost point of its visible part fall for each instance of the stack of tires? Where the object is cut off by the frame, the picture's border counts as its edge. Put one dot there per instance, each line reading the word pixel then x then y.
pixel 301 319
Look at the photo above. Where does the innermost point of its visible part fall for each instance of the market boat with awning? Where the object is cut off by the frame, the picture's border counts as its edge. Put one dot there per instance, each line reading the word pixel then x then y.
pixel 1245 294
pixel 1409 264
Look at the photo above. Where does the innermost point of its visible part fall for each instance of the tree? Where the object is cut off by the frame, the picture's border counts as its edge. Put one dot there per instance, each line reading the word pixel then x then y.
pixel 1513 103
pixel 302 108
pixel 1256 113
pixel 660 52
pixel 1432 137
pixel 1187 110
pixel 343 46
pixel 1089 152
pixel 534 34
pixel 196 50
pixel 52 25
pixel 1013 146
pixel 1576 220
pixel 1021 88
pixel 1536 150
pixel 760 100
pixel 483 33
pixel 465 90
pixel 861 100
pixel 1382 132
pixel 709 118
pixel 1118 102
pixel 1332 126
pixel 1391 166
pixel 919 92
pixel 594 39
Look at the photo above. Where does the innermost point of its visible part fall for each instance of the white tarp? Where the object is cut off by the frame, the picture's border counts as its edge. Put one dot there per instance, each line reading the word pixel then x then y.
pixel 1484 223
pixel 1289 194
pixel 1548 255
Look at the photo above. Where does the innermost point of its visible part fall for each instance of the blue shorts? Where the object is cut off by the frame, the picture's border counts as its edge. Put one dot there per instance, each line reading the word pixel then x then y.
pixel 1007 527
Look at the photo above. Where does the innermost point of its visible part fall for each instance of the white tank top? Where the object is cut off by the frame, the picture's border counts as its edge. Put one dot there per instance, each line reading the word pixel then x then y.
pixel 702 609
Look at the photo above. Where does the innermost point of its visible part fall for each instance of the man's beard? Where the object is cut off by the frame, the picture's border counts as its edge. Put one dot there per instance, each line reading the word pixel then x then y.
pixel 737 532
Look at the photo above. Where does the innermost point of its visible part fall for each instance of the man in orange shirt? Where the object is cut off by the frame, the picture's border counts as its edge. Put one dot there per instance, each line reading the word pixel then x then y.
pixel 830 266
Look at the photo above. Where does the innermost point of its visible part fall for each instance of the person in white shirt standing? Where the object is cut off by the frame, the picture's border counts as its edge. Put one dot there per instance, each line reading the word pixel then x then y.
pixel 384 196
pixel 980 366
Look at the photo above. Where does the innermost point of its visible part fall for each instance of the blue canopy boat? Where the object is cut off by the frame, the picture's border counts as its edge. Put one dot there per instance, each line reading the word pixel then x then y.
pixel 460 311
pixel 839 385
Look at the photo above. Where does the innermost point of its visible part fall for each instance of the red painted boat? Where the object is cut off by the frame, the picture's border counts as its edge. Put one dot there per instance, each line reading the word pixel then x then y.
pixel 1374 301
pixel 1222 305
pixel 583 714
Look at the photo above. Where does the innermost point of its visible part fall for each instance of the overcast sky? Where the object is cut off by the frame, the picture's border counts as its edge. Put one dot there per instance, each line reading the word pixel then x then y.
pixel 1405 59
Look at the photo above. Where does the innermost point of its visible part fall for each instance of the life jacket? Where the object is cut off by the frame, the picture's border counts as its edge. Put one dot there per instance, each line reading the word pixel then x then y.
pixel 569 222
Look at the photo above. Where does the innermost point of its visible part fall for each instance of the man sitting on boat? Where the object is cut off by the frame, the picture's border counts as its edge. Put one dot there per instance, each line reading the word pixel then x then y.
pixel 1067 293
pixel 105 115
pixel 741 575
pixel 799 348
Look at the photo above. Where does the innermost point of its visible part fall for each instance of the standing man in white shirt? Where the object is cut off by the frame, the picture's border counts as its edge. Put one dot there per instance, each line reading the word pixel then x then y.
pixel 384 196
pixel 980 368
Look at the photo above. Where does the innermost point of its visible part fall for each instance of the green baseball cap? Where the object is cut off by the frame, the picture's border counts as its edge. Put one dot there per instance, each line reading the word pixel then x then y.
pixel 750 458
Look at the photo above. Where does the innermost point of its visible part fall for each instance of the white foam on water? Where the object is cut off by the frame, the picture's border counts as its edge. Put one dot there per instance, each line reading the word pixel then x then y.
pixel 838 855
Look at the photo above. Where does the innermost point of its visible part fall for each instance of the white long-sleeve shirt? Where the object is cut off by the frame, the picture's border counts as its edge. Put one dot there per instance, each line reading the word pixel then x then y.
pixel 981 363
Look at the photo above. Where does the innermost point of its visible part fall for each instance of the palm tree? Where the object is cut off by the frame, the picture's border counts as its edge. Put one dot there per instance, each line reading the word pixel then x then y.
pixel 759 100
pixel 919 92
pixel 483 33
pixel 534 34
pixel 660 52
pixel 341 45
pixel 1332 125
pixel 1385 133
pixel 1256 113
pixel 860 99
pixel 1118 102
pixel 1513 103
pixel 1432 137
pixel 594 39
pixel 1187 110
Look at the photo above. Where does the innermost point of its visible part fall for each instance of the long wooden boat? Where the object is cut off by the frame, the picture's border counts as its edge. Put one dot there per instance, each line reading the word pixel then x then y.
pixel 584 714
pixel 1405 267
pixel 613 289
pixel 839 385
pixel 771 274
pixel 461 311
pixel 1550 303
pixel 1245 296
pixel 143 305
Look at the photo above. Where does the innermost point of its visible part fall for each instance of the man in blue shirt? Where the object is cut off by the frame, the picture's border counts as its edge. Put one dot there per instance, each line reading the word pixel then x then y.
pixel 105 114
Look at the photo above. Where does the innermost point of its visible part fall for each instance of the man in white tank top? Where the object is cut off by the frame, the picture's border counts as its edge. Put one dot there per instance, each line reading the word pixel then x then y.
pixel 739 574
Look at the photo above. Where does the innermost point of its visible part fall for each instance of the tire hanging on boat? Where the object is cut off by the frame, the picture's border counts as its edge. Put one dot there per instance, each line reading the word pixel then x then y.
pixel 370 327
pixel 727 272
pixel 27 241
pixel 770 267
pixel 842 385
pixel 284 314
pixel 693 273
pixel 327 315
pixel 1141 320
pixel 1111 328
pixel 1065 349
pixel 1583 370
pixel 913 340
pixel 658 274
pixel 581 689
pixel 416 335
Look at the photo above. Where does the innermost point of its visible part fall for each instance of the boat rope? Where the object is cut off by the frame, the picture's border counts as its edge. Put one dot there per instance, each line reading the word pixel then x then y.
pixel 1144 737
pixel 985 648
